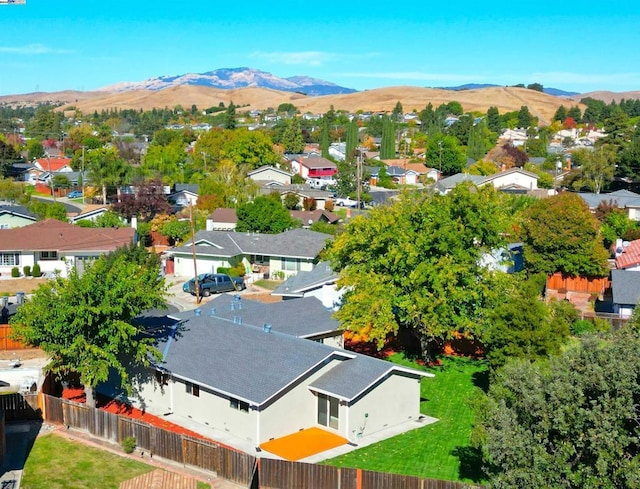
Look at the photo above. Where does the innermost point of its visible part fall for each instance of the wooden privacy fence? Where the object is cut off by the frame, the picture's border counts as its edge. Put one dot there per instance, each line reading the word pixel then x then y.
pixel 227 463
pixel 20 407
pixel 7 343
pixel 559 281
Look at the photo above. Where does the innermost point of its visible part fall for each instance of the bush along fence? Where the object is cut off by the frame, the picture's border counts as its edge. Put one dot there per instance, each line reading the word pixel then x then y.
pixel 222 461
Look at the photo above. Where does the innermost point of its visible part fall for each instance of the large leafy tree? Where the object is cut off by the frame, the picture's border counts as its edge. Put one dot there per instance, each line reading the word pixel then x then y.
pixel 265 214
pixel 229 185
pixel 446 154
pixel 146 202
pixel 416 264
pixel 561 235
pixel 573 422
pixel 85 322
pixel 292 139
pixel 597 168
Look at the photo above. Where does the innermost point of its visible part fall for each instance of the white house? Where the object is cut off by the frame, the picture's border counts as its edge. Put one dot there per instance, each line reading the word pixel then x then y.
pixel 57 246
pixel 250 374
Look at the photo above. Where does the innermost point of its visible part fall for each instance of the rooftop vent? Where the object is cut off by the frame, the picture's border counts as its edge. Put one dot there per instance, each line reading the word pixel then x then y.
pixel 266 327
pixel 212 311
pixel 198 312
pixel 237 320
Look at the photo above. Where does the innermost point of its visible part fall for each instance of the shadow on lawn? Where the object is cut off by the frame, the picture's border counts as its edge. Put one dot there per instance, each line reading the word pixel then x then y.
pixel 481 380
pixel 470 464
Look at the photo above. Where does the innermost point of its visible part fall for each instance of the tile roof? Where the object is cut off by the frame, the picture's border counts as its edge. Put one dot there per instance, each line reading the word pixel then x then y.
pixel 630 255
pixel 54 235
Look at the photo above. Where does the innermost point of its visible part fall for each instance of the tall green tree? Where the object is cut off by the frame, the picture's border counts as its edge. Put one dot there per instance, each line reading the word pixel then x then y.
pixel 494 121
pixel 416 265
pixel 351 142
pixel 230 117
pixel 388 141
pixel 524 117
pixel 324 138
pixel 597 168
pixel 265 214
pixel 85 323
pixel 446 154
pixel 292 139
pixel 561 235
pixel 571 422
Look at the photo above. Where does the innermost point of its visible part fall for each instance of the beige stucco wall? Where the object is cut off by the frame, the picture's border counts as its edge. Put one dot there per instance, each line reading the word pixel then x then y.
pixel 294 411
pixel 394 401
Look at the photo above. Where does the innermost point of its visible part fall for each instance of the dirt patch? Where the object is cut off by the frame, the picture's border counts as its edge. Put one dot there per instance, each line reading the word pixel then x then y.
pixel 27 285
pixel 26 354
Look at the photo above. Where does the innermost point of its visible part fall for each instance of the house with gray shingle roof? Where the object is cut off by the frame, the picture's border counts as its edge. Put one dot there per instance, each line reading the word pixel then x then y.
pixel 513 180
pixel 319 283
pixel 625 290
pixel 252 374
pixel 622 199
pixel 15 216
pixel 284 254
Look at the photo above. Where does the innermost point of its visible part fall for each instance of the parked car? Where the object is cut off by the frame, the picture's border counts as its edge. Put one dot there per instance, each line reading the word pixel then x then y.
pixel 348 202
pixel 76 194
pixel 214 283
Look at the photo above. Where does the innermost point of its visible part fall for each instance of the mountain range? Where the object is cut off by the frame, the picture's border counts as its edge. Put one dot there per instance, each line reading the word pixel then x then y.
pixel 230 78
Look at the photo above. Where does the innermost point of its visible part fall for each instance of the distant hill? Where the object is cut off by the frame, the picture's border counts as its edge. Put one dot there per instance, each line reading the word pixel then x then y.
pixel 473 86
pixel 506 99
pixel 232 78
pixel 609 97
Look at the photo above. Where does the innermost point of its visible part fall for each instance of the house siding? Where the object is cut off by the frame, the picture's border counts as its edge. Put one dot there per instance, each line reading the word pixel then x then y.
pixel 515 179
pixel 295 410
pixel 275 266
pixel 393 401
pixel 184 265
pixel 9 222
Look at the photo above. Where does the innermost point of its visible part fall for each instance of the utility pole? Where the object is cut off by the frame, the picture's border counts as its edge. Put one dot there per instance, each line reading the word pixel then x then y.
pixel 358 176
pixel 193 253
pixel 53 190
pixel 83 176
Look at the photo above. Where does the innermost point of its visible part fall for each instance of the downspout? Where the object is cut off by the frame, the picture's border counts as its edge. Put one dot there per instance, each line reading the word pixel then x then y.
pixel 258 449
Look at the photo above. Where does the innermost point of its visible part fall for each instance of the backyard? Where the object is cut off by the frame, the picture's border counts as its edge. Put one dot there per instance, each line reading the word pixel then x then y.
pixel 57 463
pixel 441 450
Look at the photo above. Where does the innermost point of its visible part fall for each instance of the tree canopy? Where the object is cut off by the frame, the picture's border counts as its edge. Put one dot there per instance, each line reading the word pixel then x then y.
pixel 561 235
pixel 572 421
pixel 415 264
pixel 85 322
pixel 265 214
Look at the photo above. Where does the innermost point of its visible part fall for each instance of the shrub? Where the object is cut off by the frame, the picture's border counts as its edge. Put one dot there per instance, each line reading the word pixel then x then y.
pixel 36 270
pixel 27 271
pixel 128 444
pixel 15 272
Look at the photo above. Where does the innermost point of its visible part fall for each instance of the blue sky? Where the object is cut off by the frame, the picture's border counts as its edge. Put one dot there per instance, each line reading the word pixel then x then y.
pixel 84 45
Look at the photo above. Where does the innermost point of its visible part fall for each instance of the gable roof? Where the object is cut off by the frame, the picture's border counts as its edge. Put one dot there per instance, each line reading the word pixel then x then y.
pixel 314 216
pixel 17 210
pixel 298 284
pixel 622 198
pixel 510 171
pixel 224 214
pixel 625 287
pixel 264 168
pixel 630 255
pixel 52 164
pixel 54 235
pixel 245 362
pixel 193 188
pixel 313 162
pixel 295 243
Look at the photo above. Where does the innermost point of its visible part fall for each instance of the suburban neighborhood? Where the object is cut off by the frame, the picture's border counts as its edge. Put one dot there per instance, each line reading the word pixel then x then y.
pixel 231 296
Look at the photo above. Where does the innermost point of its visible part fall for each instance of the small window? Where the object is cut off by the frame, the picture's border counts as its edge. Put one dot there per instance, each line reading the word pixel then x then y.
pixel 48 255
pixel 162 377
pixel 193 389
pixel 239 405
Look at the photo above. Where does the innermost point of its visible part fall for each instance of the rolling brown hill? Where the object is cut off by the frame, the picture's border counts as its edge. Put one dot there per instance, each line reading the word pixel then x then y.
pixel 381 99
pixel 608 97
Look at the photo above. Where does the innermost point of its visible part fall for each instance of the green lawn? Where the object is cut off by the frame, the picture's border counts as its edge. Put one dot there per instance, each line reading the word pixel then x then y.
pixel 57 463
pixel 438 451
pixel 268 284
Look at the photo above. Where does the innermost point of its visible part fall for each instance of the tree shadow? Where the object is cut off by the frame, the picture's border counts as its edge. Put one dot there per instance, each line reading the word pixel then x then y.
pixel 481 380
pixel 470 464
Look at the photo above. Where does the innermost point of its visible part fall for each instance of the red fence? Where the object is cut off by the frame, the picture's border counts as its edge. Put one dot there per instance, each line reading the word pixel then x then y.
pixel 559 281
pixel 6 343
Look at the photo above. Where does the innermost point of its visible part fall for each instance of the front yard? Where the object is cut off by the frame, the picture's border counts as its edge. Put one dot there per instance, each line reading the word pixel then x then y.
pixel 441 450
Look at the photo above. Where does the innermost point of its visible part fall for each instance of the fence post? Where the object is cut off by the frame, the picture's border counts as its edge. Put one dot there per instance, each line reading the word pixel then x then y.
pixel 358 478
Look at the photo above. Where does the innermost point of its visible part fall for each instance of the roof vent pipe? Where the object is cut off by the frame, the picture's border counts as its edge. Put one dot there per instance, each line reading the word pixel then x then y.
pixel 212 311
pixel 266 327
pixel 198 312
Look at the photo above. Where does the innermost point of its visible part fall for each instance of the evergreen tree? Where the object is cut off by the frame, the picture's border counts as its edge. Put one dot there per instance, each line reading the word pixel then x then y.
pixel 352 140
pixel 561 114
pixel 494 121
pixel 524 117
pixel 292 139
pixel 230 117
pixel 324 138
pixel 388 143
pixel 575 113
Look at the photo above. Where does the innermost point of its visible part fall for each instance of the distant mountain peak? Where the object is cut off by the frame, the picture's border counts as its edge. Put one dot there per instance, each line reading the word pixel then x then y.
pixel 230 78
